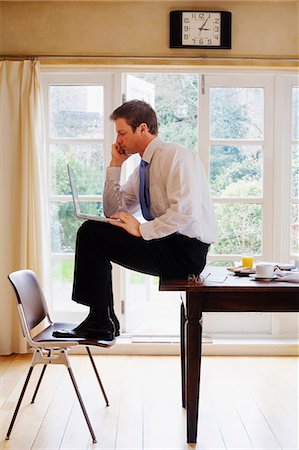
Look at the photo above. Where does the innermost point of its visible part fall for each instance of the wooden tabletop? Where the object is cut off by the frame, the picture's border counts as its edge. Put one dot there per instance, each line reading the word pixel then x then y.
pixel 221 278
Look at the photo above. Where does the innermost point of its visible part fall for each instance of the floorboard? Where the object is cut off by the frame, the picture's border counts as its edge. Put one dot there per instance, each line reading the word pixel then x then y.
pixel 246 403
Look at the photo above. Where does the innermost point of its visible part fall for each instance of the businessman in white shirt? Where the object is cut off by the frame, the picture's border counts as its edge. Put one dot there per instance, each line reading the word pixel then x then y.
pixel 171 189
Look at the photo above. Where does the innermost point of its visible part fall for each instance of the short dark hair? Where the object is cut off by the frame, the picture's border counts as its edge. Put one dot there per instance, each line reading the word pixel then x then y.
pixel 136 112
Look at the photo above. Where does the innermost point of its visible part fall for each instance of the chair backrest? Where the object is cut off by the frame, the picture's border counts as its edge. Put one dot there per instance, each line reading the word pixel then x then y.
pixel 30 296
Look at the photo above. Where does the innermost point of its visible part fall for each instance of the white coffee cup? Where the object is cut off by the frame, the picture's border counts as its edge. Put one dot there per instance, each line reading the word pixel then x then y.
pixel 263 270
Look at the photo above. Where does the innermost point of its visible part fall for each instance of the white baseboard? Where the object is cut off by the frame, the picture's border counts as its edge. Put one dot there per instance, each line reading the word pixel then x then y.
pixel 215 347
pixel 257 347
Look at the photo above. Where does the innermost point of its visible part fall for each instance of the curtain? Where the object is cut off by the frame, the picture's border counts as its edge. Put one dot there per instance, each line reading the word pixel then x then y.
pixel 24 218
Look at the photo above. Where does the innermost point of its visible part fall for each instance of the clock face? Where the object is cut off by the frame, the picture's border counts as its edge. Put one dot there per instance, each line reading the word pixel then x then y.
pixel 201 28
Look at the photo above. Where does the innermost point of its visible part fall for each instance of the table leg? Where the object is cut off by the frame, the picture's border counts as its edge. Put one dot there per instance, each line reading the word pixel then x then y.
pixel 193 349
pixel 183 354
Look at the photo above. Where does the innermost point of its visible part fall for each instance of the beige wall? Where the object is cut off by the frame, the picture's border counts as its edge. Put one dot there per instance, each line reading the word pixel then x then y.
pixel 110 28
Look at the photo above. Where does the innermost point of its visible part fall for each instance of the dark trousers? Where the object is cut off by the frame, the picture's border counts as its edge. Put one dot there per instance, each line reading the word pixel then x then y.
pixel 99 243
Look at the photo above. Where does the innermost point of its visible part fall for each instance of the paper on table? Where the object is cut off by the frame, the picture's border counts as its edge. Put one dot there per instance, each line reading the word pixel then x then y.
pixel 286 275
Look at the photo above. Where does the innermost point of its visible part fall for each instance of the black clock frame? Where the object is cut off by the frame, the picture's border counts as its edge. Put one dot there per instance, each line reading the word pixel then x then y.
pixel 176 24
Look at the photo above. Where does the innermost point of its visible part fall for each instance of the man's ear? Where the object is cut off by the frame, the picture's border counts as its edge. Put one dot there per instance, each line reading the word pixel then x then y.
pixel 143 127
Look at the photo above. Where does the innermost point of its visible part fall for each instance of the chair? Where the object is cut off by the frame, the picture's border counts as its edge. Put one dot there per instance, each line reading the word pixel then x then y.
pixel 34 315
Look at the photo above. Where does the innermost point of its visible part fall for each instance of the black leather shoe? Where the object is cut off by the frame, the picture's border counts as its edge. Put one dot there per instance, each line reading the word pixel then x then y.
pixel 103 333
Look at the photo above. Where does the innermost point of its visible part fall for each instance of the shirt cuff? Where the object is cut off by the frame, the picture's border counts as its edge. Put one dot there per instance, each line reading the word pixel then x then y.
pixel 147 231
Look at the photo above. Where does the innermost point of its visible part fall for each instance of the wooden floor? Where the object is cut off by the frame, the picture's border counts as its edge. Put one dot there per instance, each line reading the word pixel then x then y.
pixel 246 403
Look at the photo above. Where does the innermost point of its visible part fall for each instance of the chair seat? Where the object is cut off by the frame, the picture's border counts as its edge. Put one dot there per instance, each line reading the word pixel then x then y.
pixel 46 335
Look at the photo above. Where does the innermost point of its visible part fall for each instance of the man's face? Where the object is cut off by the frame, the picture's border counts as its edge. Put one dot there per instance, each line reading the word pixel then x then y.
pixel 127 139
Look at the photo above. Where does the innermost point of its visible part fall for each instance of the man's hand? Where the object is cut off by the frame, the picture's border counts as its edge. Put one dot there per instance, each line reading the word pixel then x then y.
pixel 118 156
pixel 127 222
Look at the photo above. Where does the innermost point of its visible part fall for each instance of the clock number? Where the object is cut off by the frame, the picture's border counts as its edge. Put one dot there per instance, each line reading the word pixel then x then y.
pixel 186 36
pixel 186 28
pixel 186 20
pixel 217 20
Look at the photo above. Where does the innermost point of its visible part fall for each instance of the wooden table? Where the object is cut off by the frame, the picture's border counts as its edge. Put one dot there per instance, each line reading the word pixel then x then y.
pixel 235 294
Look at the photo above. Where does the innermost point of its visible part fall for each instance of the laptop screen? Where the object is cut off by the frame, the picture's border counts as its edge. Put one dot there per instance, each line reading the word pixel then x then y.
pixel 74 190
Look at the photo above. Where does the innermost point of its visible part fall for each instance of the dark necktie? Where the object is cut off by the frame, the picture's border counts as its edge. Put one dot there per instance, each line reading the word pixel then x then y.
pixel 144 195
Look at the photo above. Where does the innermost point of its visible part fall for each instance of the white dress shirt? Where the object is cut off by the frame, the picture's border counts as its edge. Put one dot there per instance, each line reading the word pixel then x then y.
pixel 180 199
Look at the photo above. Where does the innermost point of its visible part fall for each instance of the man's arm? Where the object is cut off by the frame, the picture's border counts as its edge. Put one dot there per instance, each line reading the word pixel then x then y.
pixel 118 198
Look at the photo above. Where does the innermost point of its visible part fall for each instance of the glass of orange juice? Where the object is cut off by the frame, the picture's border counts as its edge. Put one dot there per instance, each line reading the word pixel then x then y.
pixel 247 261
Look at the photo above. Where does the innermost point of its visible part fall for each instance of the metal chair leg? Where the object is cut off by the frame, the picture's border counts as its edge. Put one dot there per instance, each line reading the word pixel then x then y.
pixel 38 383
pixel 19 402
pixel 98 376
pixel 94 440
pixel 40 379
pixel 63 359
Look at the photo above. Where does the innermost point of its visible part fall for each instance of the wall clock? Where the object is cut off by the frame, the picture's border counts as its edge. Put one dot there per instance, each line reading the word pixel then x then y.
pixel 200 29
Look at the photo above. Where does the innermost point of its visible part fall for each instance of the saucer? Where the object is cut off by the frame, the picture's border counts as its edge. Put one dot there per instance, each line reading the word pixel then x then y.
pixel 244 273
pixel 263 278
pixel 241 271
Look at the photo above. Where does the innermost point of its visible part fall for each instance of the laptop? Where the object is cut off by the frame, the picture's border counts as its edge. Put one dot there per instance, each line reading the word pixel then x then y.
pixel 77 207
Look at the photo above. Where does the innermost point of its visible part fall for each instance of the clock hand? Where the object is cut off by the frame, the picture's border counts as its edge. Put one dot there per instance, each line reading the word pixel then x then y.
pixel 202 27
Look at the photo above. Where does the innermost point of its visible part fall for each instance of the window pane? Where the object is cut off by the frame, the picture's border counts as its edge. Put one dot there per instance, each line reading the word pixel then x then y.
pixel 236 171
pixel 148 311
pixel 236 113
pixel 240 229
pixel 175 102
pixel 61 285
pixel 64 224
pixel 295 171
pixel 76 112
pixel 295 112
pixel 222 263
pixel 87 163
pixel 295 229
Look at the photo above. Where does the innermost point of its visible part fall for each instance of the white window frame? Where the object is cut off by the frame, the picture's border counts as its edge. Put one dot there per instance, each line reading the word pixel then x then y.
pixel 282 167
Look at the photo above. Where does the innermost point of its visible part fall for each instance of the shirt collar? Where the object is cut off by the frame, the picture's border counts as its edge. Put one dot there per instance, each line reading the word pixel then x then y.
pixel 150 149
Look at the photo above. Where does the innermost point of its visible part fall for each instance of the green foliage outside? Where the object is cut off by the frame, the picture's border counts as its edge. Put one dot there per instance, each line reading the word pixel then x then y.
pixel 87 162
pixel 176 105
pixel 236 113
pixel 63 270
pixel 240 229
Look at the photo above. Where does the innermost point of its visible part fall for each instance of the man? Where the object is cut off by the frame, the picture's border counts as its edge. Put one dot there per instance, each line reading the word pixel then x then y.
pixel 171 188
